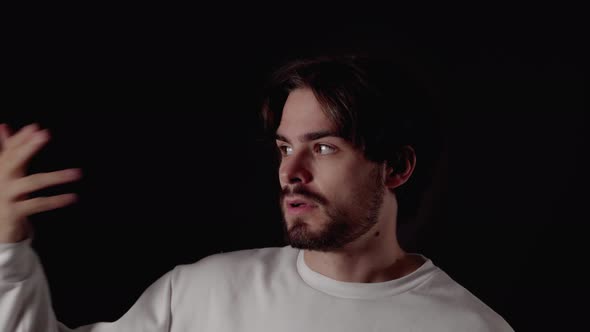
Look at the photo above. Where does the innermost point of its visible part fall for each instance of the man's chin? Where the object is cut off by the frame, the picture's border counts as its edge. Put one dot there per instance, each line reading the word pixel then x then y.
pixel 302 224
pixel 301 236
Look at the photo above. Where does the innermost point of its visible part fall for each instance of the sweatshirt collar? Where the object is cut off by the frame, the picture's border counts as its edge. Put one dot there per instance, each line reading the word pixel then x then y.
pixel 355 290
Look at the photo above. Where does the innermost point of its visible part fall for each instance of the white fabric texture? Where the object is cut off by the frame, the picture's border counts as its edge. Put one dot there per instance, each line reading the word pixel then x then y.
pixel 256 290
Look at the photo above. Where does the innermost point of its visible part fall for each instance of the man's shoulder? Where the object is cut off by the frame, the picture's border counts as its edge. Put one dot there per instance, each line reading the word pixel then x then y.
pixel 451 299
pixel 239 262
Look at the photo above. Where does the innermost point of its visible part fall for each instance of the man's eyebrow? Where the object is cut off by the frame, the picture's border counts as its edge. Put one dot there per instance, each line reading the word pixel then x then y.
pixel 310 136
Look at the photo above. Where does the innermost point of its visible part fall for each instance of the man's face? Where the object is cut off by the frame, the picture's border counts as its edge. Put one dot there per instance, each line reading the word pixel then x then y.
pixel 331 195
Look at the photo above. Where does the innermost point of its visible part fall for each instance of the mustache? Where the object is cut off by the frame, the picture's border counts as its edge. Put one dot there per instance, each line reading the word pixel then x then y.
pixel 300 190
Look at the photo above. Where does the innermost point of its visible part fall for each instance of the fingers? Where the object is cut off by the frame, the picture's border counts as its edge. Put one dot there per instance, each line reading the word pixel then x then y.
pixel 20 149
pixel 21 136
pixel 42 204
pixel 31 183
pixel 15 152
pixel 4 132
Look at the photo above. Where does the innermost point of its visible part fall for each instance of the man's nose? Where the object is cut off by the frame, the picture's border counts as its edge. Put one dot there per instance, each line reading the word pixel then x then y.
pixel 295 169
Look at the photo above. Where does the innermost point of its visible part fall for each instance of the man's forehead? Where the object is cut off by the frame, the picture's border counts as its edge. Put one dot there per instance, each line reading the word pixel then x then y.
pixel 303 119
pixel 305 128
pixel 302 105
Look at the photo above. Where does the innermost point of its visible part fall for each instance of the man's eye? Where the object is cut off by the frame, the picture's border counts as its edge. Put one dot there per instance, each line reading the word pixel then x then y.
pixel 325 149
pixel 285 150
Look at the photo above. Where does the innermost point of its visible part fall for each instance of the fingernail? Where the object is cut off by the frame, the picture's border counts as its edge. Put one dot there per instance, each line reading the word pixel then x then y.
pixel 72 198
pixel 42 135
pixel 74 172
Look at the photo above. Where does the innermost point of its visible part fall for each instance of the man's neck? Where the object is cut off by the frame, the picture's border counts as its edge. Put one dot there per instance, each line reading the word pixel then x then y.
pixel 361 269
pixel 380 262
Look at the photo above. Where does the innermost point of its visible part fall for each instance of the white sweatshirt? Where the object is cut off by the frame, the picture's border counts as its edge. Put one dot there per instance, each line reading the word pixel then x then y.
pixel 257 290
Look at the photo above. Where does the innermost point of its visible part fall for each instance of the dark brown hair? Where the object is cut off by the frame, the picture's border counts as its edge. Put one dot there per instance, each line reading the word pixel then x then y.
pixel 374 104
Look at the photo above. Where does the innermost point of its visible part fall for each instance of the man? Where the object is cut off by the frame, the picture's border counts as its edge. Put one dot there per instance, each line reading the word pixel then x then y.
pixel 348 134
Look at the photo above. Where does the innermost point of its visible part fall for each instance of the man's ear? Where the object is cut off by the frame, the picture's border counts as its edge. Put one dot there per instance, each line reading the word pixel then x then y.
pixel 399 172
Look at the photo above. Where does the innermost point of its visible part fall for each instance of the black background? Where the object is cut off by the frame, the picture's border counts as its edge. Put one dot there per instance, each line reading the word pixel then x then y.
pixel 174 172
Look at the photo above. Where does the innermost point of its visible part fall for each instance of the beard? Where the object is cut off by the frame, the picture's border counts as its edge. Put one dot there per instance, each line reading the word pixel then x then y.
pixel 344 223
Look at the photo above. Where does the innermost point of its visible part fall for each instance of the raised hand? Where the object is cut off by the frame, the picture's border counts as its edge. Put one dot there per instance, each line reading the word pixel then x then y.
pixel 15 206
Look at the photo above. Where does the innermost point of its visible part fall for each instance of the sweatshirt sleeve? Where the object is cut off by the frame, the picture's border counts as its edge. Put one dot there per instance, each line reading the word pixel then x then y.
pixel 25 302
